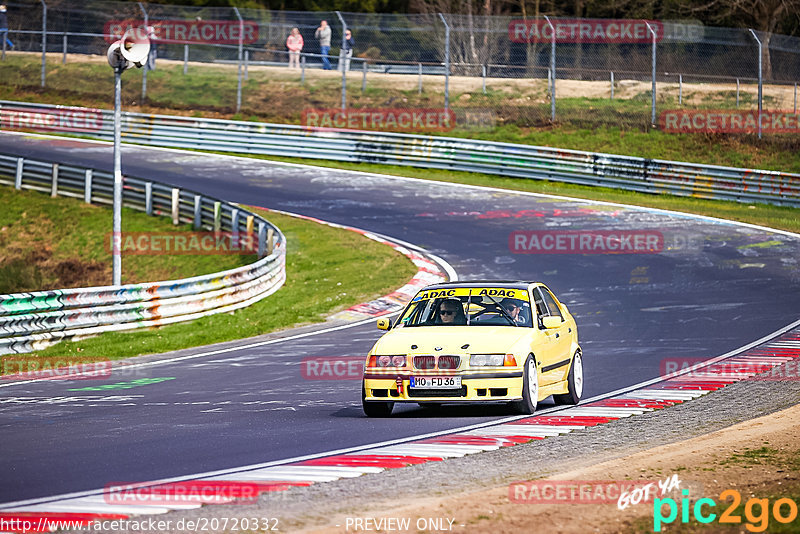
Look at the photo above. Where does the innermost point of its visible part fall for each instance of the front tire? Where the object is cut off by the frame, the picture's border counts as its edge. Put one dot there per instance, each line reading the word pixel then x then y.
pixel 530 388
pixel 375 408
pixel 574 382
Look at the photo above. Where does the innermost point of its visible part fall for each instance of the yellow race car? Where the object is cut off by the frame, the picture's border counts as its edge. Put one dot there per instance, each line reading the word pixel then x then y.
pixel 511 342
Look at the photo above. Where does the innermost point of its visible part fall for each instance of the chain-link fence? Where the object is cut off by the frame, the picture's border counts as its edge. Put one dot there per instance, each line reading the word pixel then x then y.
pixel 416 72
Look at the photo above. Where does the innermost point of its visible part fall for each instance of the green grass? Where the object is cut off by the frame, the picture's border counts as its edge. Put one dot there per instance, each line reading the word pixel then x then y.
pixel 41 248
pixel 327 270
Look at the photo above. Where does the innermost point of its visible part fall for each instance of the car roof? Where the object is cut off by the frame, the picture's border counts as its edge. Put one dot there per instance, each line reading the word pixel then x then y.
pixel 516 284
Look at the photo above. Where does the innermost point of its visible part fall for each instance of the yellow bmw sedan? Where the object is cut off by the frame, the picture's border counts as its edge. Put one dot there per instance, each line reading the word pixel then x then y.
pixel 510 342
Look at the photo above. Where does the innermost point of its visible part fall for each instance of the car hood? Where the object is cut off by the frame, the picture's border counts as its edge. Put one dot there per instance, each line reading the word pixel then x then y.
pixel 451 339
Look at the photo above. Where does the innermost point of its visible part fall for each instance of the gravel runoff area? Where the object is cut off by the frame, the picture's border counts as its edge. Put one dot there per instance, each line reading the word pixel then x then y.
pixel 370 495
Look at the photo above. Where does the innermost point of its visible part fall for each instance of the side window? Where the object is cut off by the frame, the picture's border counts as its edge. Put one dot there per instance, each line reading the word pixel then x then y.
pixel 555 311
pixel 541 309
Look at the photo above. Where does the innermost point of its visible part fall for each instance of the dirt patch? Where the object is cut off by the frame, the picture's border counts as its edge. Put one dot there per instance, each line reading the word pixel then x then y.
pixel 757 458
pixel 37 270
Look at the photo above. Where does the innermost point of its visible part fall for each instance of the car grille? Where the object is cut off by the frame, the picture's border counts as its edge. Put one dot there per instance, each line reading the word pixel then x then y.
pixel 429 362
pixel 412 392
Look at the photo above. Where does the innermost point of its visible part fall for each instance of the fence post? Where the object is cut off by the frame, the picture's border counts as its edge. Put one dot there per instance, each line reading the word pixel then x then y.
pixel 446 64
pixel 217 216
pixel 653 76
pixel 18 177
pixel 483 70
pixel 760 82
pixel 44 39
pixel 552 69
pixel 364 77
pixel 54 182
pixel 737 93
pixel 185 59
pixel 198 213
pixel 87 186
pixel 148 198
pixel 147 62
pixel 420 78
pixel 303 69
pixel 176 206
pixel 795 97
pixel 246 64
pixel 680 89
pixel 612 85
pixel 342 61
pixel 64 47
pixel 239 83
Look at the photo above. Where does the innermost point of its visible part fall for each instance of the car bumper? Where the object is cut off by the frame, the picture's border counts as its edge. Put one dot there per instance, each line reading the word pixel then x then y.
pixel 482 387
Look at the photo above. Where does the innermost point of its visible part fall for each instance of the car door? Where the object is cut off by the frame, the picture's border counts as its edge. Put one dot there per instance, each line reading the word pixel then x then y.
pixel 558 368
pixel 546 349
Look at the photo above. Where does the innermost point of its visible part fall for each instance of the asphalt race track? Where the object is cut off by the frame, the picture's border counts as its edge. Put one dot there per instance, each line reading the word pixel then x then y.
pixel 711 288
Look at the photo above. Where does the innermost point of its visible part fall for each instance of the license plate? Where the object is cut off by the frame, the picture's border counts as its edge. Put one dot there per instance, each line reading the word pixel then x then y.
pixel 436 382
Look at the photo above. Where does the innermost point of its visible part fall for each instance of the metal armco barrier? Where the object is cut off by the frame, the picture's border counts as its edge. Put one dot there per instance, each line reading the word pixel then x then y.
pixel 31 321
pixel 505 159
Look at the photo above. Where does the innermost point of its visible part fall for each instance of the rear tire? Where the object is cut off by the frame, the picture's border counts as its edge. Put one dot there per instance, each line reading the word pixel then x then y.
pixel 530 388
pixel 574 382
pixel 375 408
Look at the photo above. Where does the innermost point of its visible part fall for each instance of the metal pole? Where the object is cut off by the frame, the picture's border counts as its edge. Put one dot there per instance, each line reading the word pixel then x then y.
pixel 303 69
pixel 342 61
pixel 44 39
pixel 185 58
pixel 147 61
pixel 246 64
pixel 760 82
pixel 116 251
pixel 552 69
pixel 653 75
pixel 364 77
pixel 680 88
pixel 239 83
pixel 612 85
pixel 420 78
pixel 795 97
pixel 446 63
pixel 64 48
pixel 737 93
pixel 483 68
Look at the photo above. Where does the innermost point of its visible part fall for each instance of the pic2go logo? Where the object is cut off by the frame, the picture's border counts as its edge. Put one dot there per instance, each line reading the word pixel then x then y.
pixel 756 511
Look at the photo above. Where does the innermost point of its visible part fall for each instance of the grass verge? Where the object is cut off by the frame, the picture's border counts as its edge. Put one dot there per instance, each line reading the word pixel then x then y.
pixel 41 248
pixel 327 269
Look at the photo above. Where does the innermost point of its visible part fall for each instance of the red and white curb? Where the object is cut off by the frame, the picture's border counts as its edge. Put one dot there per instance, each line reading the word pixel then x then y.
pixel 45 515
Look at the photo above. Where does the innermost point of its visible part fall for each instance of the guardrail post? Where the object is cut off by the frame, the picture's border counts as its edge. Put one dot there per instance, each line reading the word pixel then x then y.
pixel 217 216
pixel 235 227
pixel 249 225
pixel 176 206
pixel 185 59
pixel 262 237
pixel 270 239
pixel 87 186
pixel 148 198
pixel 54 181
pixel 18 177
pixel 64 47
pixel 198 214
pixel 612 85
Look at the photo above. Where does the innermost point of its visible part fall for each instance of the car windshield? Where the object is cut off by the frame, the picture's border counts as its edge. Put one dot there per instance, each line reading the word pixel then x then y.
pixel 468 306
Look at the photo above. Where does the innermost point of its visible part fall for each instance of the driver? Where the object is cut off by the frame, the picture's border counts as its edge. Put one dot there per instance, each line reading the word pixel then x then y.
pixel 451 312
pixel 514 309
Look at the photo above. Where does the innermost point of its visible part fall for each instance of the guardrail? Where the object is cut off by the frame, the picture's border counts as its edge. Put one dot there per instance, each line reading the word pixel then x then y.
pixel 31 321
pixel 506 159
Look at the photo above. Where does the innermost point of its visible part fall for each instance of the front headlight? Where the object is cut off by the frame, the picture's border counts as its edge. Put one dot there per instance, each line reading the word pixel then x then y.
pixel 387 360
pixel 486 360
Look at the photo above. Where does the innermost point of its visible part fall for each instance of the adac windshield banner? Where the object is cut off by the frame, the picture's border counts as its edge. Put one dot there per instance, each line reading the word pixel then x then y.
pixel 494 292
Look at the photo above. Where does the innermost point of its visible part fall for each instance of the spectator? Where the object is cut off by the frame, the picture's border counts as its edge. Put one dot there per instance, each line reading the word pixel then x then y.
pixel 347 50
pixel 323 33
pixel 295 44
pixel 4 27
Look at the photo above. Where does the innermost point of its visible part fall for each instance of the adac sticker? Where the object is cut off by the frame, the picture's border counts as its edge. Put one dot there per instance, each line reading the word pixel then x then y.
pixel 496 292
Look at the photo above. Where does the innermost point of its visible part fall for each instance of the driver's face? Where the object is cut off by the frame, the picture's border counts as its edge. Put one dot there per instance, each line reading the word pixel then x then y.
pixel 448 314
pixel 513 310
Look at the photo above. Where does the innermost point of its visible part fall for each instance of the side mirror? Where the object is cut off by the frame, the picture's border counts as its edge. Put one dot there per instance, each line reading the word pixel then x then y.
pixel 384 324
pixel 551 322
